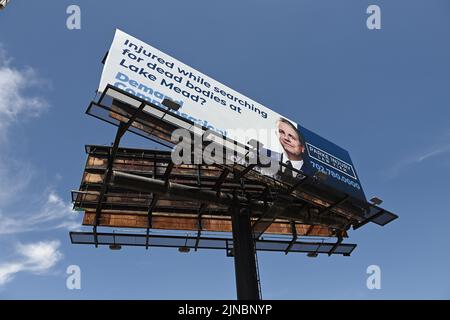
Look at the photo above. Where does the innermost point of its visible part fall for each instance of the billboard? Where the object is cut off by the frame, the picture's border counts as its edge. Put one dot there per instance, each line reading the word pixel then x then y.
pixel 151 75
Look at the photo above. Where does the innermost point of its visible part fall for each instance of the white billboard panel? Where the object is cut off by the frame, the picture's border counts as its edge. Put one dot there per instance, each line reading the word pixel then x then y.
pixel 151 75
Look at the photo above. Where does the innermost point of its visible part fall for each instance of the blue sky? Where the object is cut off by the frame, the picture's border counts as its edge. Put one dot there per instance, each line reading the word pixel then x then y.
pixel 383 95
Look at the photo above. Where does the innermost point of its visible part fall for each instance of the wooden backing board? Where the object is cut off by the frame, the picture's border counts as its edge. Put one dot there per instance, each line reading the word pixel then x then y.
pixel 213 224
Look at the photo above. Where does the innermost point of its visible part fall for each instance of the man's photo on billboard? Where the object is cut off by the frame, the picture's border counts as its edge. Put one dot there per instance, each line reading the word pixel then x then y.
pixel 293 156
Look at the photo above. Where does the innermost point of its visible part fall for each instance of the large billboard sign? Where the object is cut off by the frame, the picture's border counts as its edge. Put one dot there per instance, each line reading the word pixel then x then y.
pixel 151 75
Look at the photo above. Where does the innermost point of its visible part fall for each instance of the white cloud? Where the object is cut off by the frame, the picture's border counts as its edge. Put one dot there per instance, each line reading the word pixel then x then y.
pixel 53 214
pixel 41 256
pixel 7 271
pixel 20 209
pixel 17 176
pixel 433 153
pixel 15 104
pixel 15 101
pixel 37 258
pixel 417 159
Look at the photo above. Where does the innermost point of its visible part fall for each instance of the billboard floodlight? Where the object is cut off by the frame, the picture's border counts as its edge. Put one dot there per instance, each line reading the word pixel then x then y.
pixel 376 201
pixel 184 249
pixel 320 176
pixel 115 247
pixel 171 105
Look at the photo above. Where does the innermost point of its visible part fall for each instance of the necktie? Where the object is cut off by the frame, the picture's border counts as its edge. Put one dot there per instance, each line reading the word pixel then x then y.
pixel 288 172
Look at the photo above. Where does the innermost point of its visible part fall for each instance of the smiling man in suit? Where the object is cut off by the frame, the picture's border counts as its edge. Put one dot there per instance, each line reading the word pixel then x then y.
pixel 293 144
pixel 293 157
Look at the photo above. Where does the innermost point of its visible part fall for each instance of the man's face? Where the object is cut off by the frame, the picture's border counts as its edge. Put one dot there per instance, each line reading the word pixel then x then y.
pixel 289 140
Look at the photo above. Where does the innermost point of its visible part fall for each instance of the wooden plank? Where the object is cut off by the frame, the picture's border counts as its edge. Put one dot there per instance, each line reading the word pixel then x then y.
pixel 161 221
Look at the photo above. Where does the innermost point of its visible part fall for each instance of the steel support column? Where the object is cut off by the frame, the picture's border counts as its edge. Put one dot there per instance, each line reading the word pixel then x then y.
pixel 244 255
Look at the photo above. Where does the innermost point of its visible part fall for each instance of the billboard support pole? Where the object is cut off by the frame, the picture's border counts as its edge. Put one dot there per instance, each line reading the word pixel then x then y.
pixel 247 285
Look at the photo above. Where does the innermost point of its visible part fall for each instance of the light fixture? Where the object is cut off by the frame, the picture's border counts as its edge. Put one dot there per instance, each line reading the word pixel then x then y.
pixel 170 104
pixel 320 176
pixel 376 201
pixel 312 254
pixel 184 249
pixel 115 246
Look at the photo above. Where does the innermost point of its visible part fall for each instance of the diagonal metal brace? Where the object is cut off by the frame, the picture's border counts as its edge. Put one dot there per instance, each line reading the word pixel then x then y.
pixel 334 205
pixel 267 218
pixel 336 245
pixel 123 127
pixel 294 237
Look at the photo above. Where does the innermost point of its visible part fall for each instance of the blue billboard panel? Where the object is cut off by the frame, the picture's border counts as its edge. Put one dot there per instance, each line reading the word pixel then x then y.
pixel 324 156
pixel 297 150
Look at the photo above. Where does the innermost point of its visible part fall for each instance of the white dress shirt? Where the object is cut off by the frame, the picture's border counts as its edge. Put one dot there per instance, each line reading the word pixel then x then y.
pixel 296 164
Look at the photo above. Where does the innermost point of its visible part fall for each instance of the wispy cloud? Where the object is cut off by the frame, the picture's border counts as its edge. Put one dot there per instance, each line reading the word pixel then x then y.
pixel 37 258
pixel 417 159
pixel 15 101
pixel 433 153
pixel 15 176
pixel 18 175
pixel 53 214
pixel 24 205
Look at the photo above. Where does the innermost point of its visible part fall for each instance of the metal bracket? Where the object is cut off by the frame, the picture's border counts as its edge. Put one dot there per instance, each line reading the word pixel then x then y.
pixel 199 222
pixel 336 245
pixel 294 237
